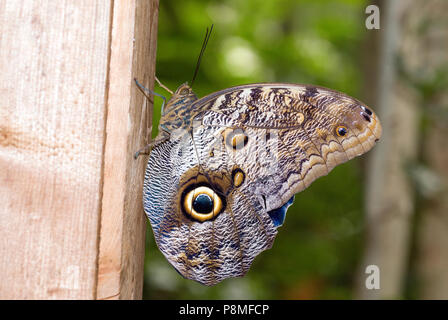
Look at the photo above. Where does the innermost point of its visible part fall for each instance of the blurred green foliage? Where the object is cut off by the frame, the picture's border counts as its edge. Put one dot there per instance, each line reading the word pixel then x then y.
pixel 317 250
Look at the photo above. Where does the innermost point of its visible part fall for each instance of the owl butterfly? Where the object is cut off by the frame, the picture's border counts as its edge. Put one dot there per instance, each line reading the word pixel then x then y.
pixel 224 169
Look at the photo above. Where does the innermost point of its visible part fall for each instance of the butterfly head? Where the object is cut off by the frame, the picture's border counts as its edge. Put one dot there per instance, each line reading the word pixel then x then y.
pixel 182 97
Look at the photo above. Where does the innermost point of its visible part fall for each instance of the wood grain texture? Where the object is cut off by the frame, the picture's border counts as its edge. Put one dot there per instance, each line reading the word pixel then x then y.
pixel 53 57
pixel 123 225
pixel 71 223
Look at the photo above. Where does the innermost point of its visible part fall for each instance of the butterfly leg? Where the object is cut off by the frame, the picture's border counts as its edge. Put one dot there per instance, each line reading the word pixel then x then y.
pixel 147 149
pixel 163 86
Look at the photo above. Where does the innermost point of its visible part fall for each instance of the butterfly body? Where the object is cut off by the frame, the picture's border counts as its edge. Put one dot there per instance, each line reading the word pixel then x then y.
pixel 227 166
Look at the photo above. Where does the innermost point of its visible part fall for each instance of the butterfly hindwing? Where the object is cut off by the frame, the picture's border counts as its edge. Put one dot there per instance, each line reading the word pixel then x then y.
pixel 218 248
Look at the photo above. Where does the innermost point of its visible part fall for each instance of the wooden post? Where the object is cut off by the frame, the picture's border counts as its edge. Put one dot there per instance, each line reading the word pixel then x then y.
pixel 71 218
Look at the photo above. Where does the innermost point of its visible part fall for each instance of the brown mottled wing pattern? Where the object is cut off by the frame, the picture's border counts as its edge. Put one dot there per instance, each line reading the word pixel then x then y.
pixel 212 250
pixel 304 119
pixel 234 162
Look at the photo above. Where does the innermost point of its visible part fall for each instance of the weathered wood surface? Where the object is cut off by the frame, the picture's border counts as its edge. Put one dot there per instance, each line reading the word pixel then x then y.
pixel 122 221
pixel 71 222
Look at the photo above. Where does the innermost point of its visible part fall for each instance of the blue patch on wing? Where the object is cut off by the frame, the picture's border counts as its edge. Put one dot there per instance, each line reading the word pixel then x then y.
pixel 278 215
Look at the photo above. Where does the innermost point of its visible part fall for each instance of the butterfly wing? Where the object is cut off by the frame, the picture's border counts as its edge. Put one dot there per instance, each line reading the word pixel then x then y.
pixel 216 192
pixel 302 124
pixel 220 247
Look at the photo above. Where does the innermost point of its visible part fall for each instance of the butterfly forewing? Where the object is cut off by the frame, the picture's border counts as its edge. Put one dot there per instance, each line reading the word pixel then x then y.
pixel 306 120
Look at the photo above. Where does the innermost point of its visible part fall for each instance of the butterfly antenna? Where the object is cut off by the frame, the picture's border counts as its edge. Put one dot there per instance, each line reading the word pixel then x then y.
pixel 204 45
